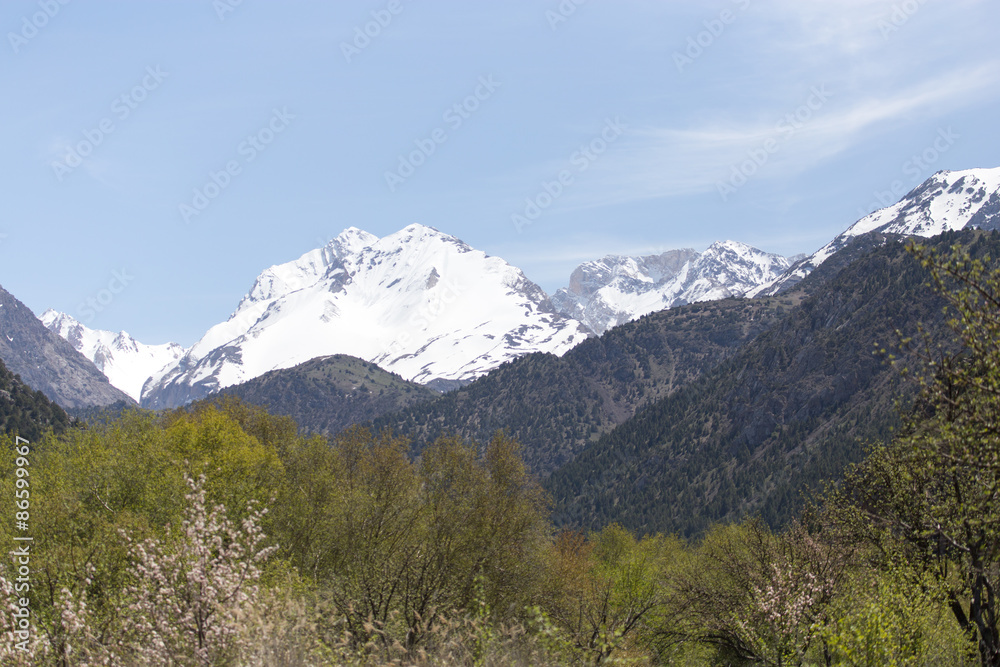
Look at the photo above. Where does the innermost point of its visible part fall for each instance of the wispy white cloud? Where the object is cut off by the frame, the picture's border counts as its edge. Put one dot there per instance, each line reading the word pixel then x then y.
pixel 666 161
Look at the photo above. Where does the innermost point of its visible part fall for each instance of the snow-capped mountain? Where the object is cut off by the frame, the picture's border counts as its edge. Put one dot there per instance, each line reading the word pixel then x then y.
pixel 618 289
pixel 947 201
pixel 419 303
pixel 126 362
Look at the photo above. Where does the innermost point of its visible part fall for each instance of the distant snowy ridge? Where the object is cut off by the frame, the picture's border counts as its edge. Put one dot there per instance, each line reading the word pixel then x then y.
pixel 947 201
pixel 418 303
pixel 617 289
pixel 126 362
pixel 430 308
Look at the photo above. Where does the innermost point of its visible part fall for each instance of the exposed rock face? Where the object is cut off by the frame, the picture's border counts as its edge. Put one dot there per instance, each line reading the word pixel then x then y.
pixel 47 362
pixel 618 289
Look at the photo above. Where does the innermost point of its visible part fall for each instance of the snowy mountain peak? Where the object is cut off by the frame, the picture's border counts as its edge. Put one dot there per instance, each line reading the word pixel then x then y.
pixel 351 240
pixel 307 270
pixel 56 321
pixel 415 234
pixel 618 289
pixel 591 276
pixel 417 228
pixel 747 265
pixel 735 248
pixel 126 362
pixel 946 201
pixel 418 302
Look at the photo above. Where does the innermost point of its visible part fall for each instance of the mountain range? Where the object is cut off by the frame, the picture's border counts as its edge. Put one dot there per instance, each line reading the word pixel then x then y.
pixel 127 363
pixel 418 303
pixel 428 307
pixel 662 392
pixel 786 412
pixel 617 289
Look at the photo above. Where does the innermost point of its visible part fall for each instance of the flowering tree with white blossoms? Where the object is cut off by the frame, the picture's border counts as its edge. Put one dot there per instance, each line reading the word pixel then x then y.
pixel 9 653
pixel 191 594
pixel 68 639
pixel 189 602
pixel 760 597
pixel 785 612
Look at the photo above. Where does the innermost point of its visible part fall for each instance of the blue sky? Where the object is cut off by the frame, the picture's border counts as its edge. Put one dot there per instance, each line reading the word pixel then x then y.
pixel 625 127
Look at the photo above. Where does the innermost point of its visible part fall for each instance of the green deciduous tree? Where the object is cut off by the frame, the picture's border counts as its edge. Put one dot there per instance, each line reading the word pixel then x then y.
pixel 394 542
pixel 607 590
pixel 937 486
pixel 893 616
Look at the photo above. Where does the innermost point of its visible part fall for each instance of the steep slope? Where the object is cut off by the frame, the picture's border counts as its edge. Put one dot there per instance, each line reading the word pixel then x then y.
pixel 785 412
pixel 617 289
pixel 46 361
pixel 126 362
pixel 947 201
pixel 418 303
pixel 25 412
pixel 328 394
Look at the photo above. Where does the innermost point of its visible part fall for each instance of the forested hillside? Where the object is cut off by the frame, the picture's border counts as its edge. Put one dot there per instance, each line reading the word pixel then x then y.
pixel 219 534
pixel 327 394
pixel 25 412
pixel 556 405
pixel 790 410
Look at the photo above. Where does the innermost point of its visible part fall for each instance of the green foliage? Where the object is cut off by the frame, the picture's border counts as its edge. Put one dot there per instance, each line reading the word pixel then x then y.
pixel 937 486
pixel 240 468
pixel 89 485
pixel 605 590
pixel 760 597
pixel 444 559
pixel 894 619
pixel 400 541
pixel 388 542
